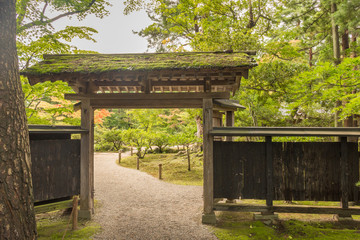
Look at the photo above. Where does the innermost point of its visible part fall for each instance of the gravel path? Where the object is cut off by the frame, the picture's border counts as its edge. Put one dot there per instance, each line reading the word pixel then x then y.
pixel 135 205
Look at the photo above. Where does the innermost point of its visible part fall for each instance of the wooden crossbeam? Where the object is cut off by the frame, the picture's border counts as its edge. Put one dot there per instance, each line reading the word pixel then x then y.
pixel 286 209
pixel 148 104
pixel 151 96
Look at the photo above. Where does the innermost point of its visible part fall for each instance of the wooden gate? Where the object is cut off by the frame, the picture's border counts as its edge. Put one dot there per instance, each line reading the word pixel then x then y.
pixel 55 162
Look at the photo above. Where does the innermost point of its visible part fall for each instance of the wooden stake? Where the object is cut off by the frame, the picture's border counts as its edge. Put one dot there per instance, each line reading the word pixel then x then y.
pixel 119 155
pixel 75 213
pixel 160 171
pixel 137 163
pixel 188 157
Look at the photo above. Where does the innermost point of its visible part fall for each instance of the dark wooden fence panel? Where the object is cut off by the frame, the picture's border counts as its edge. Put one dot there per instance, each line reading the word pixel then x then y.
pixel 55 168
pixel 302 171
pixel 236 170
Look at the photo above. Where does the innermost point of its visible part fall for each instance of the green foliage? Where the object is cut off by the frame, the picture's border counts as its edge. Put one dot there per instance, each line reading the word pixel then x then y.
pixel 36 36
pixel 119 119
pixel 265 94
pixel 45 103
pixel 160 139
pixel 204 25
pixel 327 84
pixel 140 139
pixel 114 137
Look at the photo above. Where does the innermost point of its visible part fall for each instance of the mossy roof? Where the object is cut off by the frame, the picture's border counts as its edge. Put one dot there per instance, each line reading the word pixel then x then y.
pixel 101 63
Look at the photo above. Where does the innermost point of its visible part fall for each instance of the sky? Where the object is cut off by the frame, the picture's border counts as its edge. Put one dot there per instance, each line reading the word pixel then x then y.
pixel 115 31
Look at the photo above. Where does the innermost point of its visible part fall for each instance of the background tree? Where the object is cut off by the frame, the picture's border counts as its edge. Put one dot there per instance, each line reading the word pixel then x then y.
pixel 140 139
pixel 37 36
pixel 17 217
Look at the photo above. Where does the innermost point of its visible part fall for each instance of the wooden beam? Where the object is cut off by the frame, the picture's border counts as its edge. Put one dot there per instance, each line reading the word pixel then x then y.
pixel 129 103
pixel 208 157
pixel 86 161
pixel 285 131
pixel 286 209
pixel 207 84
pixel 152 96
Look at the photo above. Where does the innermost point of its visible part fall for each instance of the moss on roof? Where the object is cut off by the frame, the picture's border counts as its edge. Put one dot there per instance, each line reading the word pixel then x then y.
pixel 99 63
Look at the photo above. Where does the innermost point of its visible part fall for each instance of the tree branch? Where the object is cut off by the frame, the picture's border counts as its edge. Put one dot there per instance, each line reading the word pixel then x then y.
pixel 41 22
pixel 21 15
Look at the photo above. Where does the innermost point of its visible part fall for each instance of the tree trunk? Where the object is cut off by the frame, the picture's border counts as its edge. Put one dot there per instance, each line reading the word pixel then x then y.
pixel 345 43
pixel 336 50
pixel 198 126
pixel 335 35
pixel 353 45
pixel 17 219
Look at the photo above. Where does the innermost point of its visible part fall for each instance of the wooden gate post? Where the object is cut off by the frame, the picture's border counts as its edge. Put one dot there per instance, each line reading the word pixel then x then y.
pixel 230 120
pixel 86 162
pixel 208 214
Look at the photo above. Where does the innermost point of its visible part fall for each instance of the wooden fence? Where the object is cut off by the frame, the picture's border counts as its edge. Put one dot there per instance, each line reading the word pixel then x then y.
pixel 55 162
pixel 301 170
pixel 317 171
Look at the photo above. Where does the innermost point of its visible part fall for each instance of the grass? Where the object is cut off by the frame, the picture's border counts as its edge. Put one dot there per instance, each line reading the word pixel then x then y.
pixel 174 167
pixel 56 225
pixel 240 226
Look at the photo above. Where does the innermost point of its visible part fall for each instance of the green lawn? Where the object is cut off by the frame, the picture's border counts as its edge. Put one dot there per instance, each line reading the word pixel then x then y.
pixel 240 226
pixel 174 167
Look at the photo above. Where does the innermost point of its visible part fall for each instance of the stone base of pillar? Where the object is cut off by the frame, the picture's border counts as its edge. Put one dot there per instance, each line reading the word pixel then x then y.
pixel 265 216
pixel 208 218
pixel 343 218
pixel 85 214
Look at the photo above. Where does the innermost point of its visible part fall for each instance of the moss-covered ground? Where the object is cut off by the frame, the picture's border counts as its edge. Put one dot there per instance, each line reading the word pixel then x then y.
pixel 57 225
pixel 240 225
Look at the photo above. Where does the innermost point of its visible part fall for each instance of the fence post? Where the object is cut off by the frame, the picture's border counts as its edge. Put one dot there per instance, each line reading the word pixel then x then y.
pixel 75 213
pixel 119 155
pixel 344 174
pixel 160 171
pixel 269 172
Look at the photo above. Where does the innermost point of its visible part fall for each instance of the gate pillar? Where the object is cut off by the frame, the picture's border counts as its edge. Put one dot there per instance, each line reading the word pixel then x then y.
pixel 86 161
pixel 208 214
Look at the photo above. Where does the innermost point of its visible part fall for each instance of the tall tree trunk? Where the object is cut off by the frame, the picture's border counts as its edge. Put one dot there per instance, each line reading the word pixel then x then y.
pixel 17 220
pixel 353 45
pixel 336 50
pixel 345 43
pixel 335 35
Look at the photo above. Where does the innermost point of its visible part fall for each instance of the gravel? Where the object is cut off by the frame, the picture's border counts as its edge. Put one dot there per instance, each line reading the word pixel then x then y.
pixel 135 205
